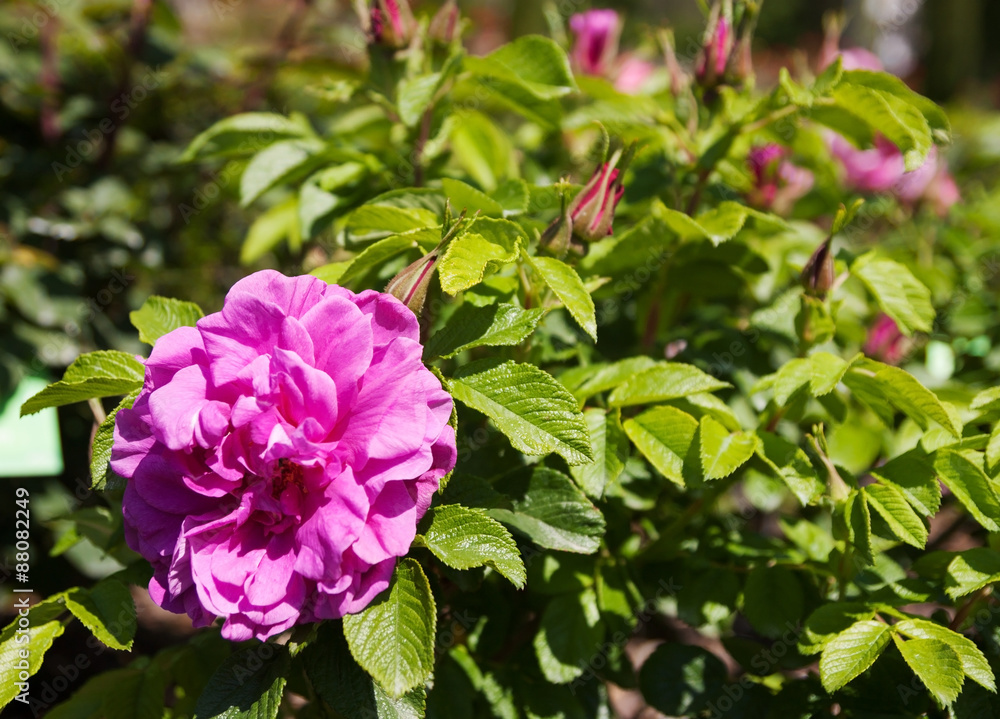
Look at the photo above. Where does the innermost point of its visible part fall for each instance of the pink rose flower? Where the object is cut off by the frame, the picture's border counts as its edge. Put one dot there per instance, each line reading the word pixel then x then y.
pixel 778 183
pixel 885 342
pixel 281 453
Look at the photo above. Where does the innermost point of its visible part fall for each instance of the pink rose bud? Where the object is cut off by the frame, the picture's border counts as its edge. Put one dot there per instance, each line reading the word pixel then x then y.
pixel 444 24
pixel 596 44
pixel 818 274
pixel 711 67
pixel 280 455
pixel 410 285
pixel 391 23
pixel 593 210
pixel 885 342
pixel 778 184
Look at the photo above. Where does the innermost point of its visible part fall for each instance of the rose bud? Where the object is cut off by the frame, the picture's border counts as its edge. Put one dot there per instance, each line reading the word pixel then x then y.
pixel 596 44
pixel 444 24
pixel 390 23
pixel 711 67
pixel 778 183
pixel 818 274
pixel 593 209
pixel 885 342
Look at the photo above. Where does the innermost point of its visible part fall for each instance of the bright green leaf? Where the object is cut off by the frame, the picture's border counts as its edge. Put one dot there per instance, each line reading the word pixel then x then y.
pixel 937 665
pixel 160 315
pixel 664 436
pixel 610 446
pixel 464 538
pixel 851 652
pixel 496 325
pixel 489 244
pixel 662 382
pixel 568 287
pixel 248 685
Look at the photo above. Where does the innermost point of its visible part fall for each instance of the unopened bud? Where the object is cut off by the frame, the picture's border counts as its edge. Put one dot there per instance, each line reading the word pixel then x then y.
pixel 410 285
pixel 390 23
pixel 818 274
pixel 444 24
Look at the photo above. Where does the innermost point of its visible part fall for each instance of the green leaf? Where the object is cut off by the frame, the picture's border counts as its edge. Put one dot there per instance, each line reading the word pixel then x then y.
pixel 898 120
pixel 242 134
pixel 278 223
pixel 903 521
pixel 528 405
pixel 937 665
pixel 974 664
pixel 773 600
pixel 606 377
pixel 513 196
pixel 664 436
pixel 828 621
pixel 488 245
pixel 718 224
pixel 722 452
pixel 969 483
pixel 569 637
pixel 903 391
pixel 532 62
pixel 465 197
pixel 987 399
pixel 899 294
pixel 914 475
pixel 41 627
pixel 792 466
pixel 279 163
pixel 892 85
pixel 662 382
pixel 107 610
pixel 160 315
pixel 569 288
pixel 414 96
pixel 136 692
pixel 682 680
pixel 376 254
pixel 375 221
pixel 104 438
pixel 971 570
pixel 248 685
pixel 482 149
pixel 551 510
pixel 851 652
pixel 859 525
pixel 495 325
pixel 393 638
pixel 610 445
pixel 993 451
pixel 345 686
pixel 464 538
pixel 96 374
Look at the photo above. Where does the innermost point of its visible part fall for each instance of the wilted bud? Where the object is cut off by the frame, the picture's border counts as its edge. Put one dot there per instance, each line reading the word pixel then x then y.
pixel 410 285
pixel 818 274
pixel 444 24
pixel 390 23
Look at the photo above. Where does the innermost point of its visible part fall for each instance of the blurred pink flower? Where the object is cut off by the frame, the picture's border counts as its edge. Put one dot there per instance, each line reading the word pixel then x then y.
pixel 632 74
pixel 714 57
pixel 778 183
pixel 885 342
pixel 280 454
pixel 595 51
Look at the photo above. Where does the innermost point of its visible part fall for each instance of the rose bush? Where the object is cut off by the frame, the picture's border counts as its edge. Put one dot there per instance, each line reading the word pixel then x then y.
pixel 711 360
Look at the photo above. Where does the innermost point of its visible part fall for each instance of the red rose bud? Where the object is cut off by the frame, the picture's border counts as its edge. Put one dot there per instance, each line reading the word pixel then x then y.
pixel 390 23
pixel 593 210
pixel 444 24
pixel 818 274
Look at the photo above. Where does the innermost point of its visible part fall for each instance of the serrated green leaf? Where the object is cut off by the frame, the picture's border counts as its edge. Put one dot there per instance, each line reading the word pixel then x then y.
pixel 827 371
pixel 568 287
pixel 610 445
pixel 913 473
pixel 772 600
pixel 482 149
pixel 248 685
pixel 552 511
pixel 346 687
pixel 662 382
pixel 987 399
pixel 376 254
pixel 937 665
pixel 414 95
pixel 569 637
pixel 899 294
pixel 375 221
pixel 107 610
pixel 242 134
pixel 278 163
pixel 899 121
pixel 851 652
pixel 464 538
pixel 971 486
pixel 828 621
pixel 528 405
pixel 495 325
pixel 532 62
pixel 722 452
pixel 513 196
pixel 973 663
pixel 791 465
pixel 971 570
pixel 903 521
pixel 96 374
pixel 104 439
pixel 160 315
pixel 42 628
pixel 902 390
pixel 664 436
pixel 489 244
pixel 892 85
pixel 607 377
pixel 393 638
pixel 465 197
pixel 718 224
pixel 993 451
pixel 859 525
